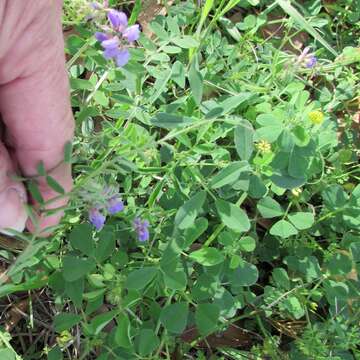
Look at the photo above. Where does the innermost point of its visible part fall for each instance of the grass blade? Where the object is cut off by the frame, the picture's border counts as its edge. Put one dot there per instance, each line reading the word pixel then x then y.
pixel 293 13
pixel 204 14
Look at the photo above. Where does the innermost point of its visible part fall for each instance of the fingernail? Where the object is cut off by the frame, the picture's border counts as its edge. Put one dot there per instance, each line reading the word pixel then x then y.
pixel 12 211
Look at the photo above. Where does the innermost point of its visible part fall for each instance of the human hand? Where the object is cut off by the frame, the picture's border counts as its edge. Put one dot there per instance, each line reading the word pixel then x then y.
pixel 34 105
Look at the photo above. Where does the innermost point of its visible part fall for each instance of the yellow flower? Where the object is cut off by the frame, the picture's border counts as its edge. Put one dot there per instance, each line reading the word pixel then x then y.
pixel 64 337
pixel 263 147
pixel 296 192
pixel 316 117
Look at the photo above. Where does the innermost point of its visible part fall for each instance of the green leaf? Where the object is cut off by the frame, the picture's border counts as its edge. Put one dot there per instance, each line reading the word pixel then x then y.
pixel 173 25
pixel 100 321
pixel 101 99
pixel 281 278
pixel 74 290
pixel 293 306
pixel 68 152
pixel 302 137
pixel 175 276
pixel 268 120
pixel 192 233
pixel 226 303
pixel 159 30
pixel 54 185
pixel 232 216
pixel 188 212
pixel 283 229
pixel 147 342
pixel 257 188
pixel 302 220
pixel 8 354
pixel 178 74
pixel 206 317
pixel 174 317
pixel 170 121
pixel 309 266
pixel 336 291
pixel 205 287
pixel 172 49
pixel 334 197
pixel 245 274
pixel 298 164
pixel 339 264
pixel 65 321
pixel 228 105
pixel 269 133
pixel 244 140
pixel 235 261
pixel 229 174
pixel 269 208
pixel 74 268
pixel 283 180
pixel 247 243
pixel 160 86
pixel 122 332
pixel 81 84
pixel 196 82
pixel 106 245
pixel 41 169
pixel 139 278
pixel 185 42
pixel 207 256
pixel 81 239
pixel 35 192
pixel 54 354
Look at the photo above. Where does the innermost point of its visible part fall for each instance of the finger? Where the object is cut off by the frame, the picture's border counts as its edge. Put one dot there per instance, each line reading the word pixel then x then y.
pixel 34 92
pixel 12 196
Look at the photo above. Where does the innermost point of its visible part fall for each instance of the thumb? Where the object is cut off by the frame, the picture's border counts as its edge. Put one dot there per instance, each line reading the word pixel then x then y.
pixel 34 95
pixel 12 197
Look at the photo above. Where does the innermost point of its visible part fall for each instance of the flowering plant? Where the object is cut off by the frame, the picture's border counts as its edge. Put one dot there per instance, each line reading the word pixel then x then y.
pixel 117 36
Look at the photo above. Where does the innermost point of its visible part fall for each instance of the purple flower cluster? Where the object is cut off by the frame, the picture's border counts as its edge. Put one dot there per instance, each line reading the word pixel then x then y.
pixel 142 229
pixel 113 206
pixel 109 202
pixel 307 59
pixel 117 37
pixel 311 61
pixel 97 218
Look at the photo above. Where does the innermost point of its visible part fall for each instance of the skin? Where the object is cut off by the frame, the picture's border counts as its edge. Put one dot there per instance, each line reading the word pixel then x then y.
pixel 34 105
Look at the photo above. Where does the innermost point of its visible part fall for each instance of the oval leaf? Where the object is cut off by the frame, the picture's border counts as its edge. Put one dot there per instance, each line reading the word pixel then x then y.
pixel 232 216
pixel 229 174
pixel 207 256
pixel 283 229
pixel 187 213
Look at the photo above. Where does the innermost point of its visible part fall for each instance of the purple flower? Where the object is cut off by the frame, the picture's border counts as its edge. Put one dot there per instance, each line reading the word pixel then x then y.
pixel 111 48
pixel 141 228
pixel 311 61
pixel 122 57
pixel 115 205
pixel 306 58
pixel 132 33
pixel 118 20
pixel 117 39
pixel 97 218
pixel 100 36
